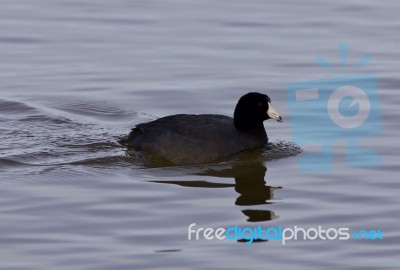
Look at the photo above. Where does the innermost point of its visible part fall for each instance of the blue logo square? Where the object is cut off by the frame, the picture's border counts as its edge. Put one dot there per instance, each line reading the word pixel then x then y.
pixel 342 107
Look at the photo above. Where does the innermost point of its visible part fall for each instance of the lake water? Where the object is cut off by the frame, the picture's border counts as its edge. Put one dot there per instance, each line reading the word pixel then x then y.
pixel 76 75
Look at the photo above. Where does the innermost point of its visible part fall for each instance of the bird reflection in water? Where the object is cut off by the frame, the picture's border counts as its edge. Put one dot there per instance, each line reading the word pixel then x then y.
pixel 249 184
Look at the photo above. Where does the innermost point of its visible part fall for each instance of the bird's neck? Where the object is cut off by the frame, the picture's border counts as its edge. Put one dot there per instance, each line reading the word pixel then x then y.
pixel 249 126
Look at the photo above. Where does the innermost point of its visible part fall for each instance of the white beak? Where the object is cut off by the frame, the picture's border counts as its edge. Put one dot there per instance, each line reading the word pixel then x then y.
pixel 273 114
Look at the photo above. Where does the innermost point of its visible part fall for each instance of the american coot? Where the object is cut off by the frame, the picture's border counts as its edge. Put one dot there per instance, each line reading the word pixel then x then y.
pixel 195 139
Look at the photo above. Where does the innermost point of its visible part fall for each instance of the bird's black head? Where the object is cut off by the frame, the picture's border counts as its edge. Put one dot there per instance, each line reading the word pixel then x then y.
pixel 252 109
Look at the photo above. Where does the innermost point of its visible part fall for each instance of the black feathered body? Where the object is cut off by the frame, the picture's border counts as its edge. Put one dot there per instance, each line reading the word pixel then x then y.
pixel 194 139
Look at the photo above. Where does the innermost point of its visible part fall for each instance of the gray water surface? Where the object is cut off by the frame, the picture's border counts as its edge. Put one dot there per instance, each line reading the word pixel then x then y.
pixel 76 75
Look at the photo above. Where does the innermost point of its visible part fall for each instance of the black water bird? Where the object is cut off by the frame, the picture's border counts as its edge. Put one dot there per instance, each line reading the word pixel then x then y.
pixel 197 139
